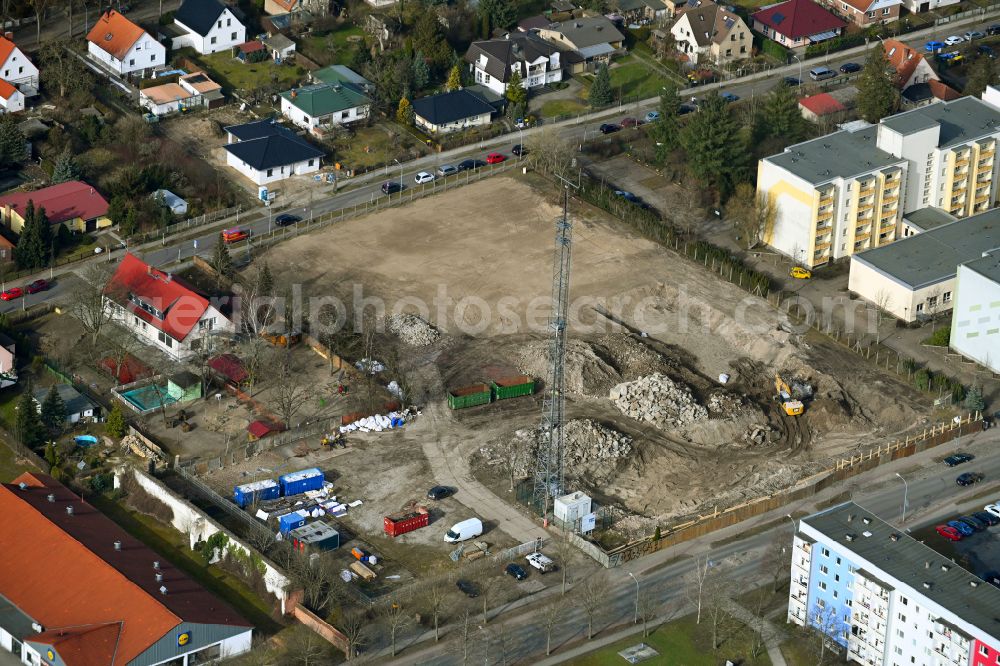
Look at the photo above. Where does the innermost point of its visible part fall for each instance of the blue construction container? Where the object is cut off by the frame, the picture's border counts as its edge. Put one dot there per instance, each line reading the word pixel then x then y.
pixel 295 483
pixel 290 521
pixel 258 491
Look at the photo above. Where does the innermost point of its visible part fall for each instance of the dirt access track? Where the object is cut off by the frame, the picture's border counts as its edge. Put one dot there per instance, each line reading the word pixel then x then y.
pixel 477 263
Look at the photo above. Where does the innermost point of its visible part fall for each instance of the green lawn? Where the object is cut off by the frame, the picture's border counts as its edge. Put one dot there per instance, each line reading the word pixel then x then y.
pixel 333 48
pixel 680 643
pixel 369 146
pixel 635 79
pixel 9 468
pixel 233 74
pixel 562 107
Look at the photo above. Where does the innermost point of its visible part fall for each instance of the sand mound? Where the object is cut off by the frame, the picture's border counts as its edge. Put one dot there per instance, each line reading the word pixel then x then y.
pixel 588 370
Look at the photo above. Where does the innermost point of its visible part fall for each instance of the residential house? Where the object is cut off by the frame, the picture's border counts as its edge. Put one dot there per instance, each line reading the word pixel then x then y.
pixel 593 39
pixel 922 94
pixel 74 204
pixel 846 192
pixel 451 111
pixel 208 26
pixel 11 99
pixel 8 362
pixel 79 408
pixel 864 13
pixel 312 8
pixel 16 69
pixel 916 80
pixel 641 12
pixel 885 597
pixel 279 47
pixel 708 31
pixel 822 106
pixel 797 23
pixel 162 310
pixel 122 47
pixel 494 60
pixel 191 90
pixel 266 152
pixel 325 105
pixel 79 590
pixel 917 6
pixel 176 205
pixel 341 74
pixel 975 324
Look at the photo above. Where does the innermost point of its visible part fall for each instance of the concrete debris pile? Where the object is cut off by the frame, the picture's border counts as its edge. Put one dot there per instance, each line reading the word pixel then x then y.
pixel 725 404
pixel 757 435
pixel 658 400
pixel 412 330
pixel 633 358
pixel 586 371
pixel 588 440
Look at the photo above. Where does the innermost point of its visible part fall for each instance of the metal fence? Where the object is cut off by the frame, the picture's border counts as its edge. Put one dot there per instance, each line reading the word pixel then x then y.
pixel 190 223
pixel 241 518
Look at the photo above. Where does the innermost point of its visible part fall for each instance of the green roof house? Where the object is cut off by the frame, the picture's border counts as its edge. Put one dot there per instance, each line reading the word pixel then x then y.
pixel 325 105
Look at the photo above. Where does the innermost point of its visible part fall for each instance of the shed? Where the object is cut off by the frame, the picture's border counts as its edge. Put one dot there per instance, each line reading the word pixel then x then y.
pixel 279 46
pixel 290 521
pixel 262 428
pixel 176 205
pixel 252 51
pixel 318 535
pixel 184 386
pixel 78 406
pixel 229 367
pixel 821 106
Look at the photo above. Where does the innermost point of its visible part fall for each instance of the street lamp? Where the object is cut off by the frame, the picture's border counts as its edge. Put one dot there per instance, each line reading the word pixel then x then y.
pixel 906 490
pixel 794 527
pixel 635 617
pixel 800 69
pixel 400 173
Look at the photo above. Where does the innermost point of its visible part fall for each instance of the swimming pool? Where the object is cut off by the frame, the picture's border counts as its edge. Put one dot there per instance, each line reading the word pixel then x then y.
pixel 85 440
pixel 146 398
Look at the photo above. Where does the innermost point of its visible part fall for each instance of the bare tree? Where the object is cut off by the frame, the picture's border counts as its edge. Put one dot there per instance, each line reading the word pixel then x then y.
pixel 826 625
pixel 466 626
pixel 716 606
pixel 752 213
pixel 306 648
pixel 550 615
pixel 355 627
pixel 685 210
pixel 40 6
pixel 513 455
pixel 758 622
pixel 289 386
pixel 592 596
pixel 488 583
pixel 649 606
pixel 696 585
pixel 550 152
pixel 883 301
pixel 254 353
pixel 433 598
pixel 567 556
pixel 122 344
pixel 395 618
pixel 498 643
pixel 87 301
pixel 776 562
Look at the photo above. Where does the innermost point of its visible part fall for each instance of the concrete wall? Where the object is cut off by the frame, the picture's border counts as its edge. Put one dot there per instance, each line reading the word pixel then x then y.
pixel 975 321
pixel 897 298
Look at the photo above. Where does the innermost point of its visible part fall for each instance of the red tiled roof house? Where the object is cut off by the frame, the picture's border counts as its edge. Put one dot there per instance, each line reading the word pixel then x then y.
pixel 867 12
pixel 122 47
pixel 820 106
pixel 74 204
pixel 797 23
pixel 162 310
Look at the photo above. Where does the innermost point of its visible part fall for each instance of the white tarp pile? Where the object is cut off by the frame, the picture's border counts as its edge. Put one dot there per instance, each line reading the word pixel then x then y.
pixel 370 366
pixel 376 423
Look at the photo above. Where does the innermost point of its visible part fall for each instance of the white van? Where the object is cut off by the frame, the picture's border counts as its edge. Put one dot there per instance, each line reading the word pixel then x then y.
pixel 541 562
pixel 467 529
pixel 820 73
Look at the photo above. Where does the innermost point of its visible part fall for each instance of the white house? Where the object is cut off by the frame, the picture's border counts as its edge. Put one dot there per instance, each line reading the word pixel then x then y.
pixel 16 69
pixel 492 61
pixel 194 89
pixel 325 105
pixel 451 111
pixel 266 152
pixel 161 310
pixel 208 26
pixel 11 99
pixel 121 46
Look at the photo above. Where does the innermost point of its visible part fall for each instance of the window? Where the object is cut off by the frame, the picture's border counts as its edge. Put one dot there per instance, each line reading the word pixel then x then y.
pixel 232 37
pixel 823 569
pixel 983 650
pixel 152 58
pixel 905 601
pixel 207 324
pixel 946 298
pixel 213 40
pixel 932 302
pixel 729 52
pixel 743 49
pixel 229 22
pixel 270 172
pixel 838 561
pixel 886 11
pixel 131 62
pixel 902 618
pixel 822 585
pixel 826 552
pixel 219 24
pixel 844 5
pixel 835 594
pixel 165 339
pixel 311 162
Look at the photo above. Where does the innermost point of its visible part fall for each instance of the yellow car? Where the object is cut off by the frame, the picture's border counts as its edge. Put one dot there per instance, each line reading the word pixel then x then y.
pixel 800 273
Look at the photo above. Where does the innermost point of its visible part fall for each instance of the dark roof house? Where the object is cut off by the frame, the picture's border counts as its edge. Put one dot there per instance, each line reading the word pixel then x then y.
pixel 495 56
pixel 263 144
pixel 199 15
pixel 77 405
pixel 450 107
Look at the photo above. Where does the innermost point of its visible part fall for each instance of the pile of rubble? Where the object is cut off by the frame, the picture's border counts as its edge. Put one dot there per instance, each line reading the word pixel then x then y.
pixel 658 400
pixel 412 330
pixel 725 404
pixel 588 441
pixel 756 435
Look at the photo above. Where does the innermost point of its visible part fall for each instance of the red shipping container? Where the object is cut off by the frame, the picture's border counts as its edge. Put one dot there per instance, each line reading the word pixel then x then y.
pixel 401 523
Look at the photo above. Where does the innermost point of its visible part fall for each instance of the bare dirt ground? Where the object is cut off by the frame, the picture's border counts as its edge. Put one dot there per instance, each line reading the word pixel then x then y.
pixel 483 278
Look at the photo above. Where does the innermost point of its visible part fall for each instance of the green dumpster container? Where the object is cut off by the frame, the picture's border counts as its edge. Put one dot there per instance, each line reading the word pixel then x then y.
pixel 469 396
pixel 513 387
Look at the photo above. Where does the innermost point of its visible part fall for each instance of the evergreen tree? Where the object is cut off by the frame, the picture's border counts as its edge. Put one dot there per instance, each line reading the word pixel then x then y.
pixel 32 249
pixel 66 168
pixel 222 262
pixel 404 113
pixel 877 94
pixel 501 13
pixel 421 72
pixel 781 116
pixel 715 147
pixel 454 79
pixel 664 130
pixel 981 74
pixel 601 94
pixel 517 96
pixel 53 410
pixel 974 399
pixel 130 223
pixel 265 282
pixel 116 425
pixel 12 142
pixel 27 425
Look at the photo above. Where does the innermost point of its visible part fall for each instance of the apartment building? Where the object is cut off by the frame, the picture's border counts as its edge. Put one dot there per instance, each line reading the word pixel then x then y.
pixel 846 192
pixel 887 598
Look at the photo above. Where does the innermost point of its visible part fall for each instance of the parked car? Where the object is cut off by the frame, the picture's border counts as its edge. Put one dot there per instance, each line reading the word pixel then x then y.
pixel 495 158
pixel 962 528
pixel 234 234
pixel 850 67
pixel 987 517
pixel 954 39
pixel 687 107
pixel 470 165
pixel 821 73
pixel 516 571
pixel 800 273
pixel 973 523
pixel 992 508
pixel 423 177
pixel 392 186
pixel 439 492
pixel 968 478
pixel 958 459
pixel 652 116
pixel 974 34
pixel 992 577
pixel 791 81
pixel 286 219
pixel 949 533
pixel 987 51
pixel 993 29
pixel 37 286
pixel 630 122
pixel 468 589
pixel 519 150
pixel 11 294
pixel 729 97
pixel 933 46
pixel 631 198
pixel 447 169
pixel 609 128
pixel 541 562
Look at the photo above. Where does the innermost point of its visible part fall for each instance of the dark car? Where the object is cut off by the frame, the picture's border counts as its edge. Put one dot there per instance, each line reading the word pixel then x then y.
pixel 977 525
pixel 992 577
pixel 467 588
pixel 631 198
pixel 986 517
pixel 986 51
pixel 993 29
pixel 958 459
pixel 37 286
pixel 516 570
pixel 469 165
pixel 968 478
pixel 630 122
pixel 609 128
pixel 850 67
pixel 519 150
pixel 791 81
pixel 391 187
pixel 687 107
pixel 285 219
pixel 729 97
pixel 963 529
pixel 439 492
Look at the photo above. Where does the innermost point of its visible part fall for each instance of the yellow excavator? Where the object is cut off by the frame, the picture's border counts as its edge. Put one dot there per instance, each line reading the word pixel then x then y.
pixel 791 405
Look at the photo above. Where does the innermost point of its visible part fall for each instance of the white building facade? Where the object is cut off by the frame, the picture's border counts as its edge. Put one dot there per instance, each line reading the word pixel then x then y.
pixel 16 69
pixel 120 46
pixel 975 322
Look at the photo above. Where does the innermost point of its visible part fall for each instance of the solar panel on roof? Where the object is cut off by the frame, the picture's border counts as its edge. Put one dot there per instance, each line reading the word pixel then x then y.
pixel 778 17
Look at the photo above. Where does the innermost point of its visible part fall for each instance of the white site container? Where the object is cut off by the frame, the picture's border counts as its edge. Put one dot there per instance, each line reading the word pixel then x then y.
pixel 571 508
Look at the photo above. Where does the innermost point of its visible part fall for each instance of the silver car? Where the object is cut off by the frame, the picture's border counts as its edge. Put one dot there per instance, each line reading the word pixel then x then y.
pixel 447 169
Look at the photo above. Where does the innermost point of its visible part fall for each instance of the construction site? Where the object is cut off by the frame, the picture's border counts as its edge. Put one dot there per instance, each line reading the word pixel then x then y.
pixel 683 393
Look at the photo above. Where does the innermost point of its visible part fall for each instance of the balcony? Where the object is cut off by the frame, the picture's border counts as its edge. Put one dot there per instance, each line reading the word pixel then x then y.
pixel 823 217
pixel 961 160
pixel 866 192
pixel 886 201
pixel 981 200
pixel 860 238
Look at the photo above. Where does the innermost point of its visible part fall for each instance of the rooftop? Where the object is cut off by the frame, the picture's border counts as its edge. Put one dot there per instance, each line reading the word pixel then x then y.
pixel 583 32
pixel 988 266
pixel 929 218
pixel 842 154
pixel 934 255
pixel 502 53
pixel 340 74
pixel 65 201
pixel 263 144
pixel 6 48
pixel 961 120
pixel 448 107
pixel 799 18
pixel 822 104
pixel 199 15
pixel 166 93
pixel 911 562
pixel 75 402
pixel 322 99
pixel 114 34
